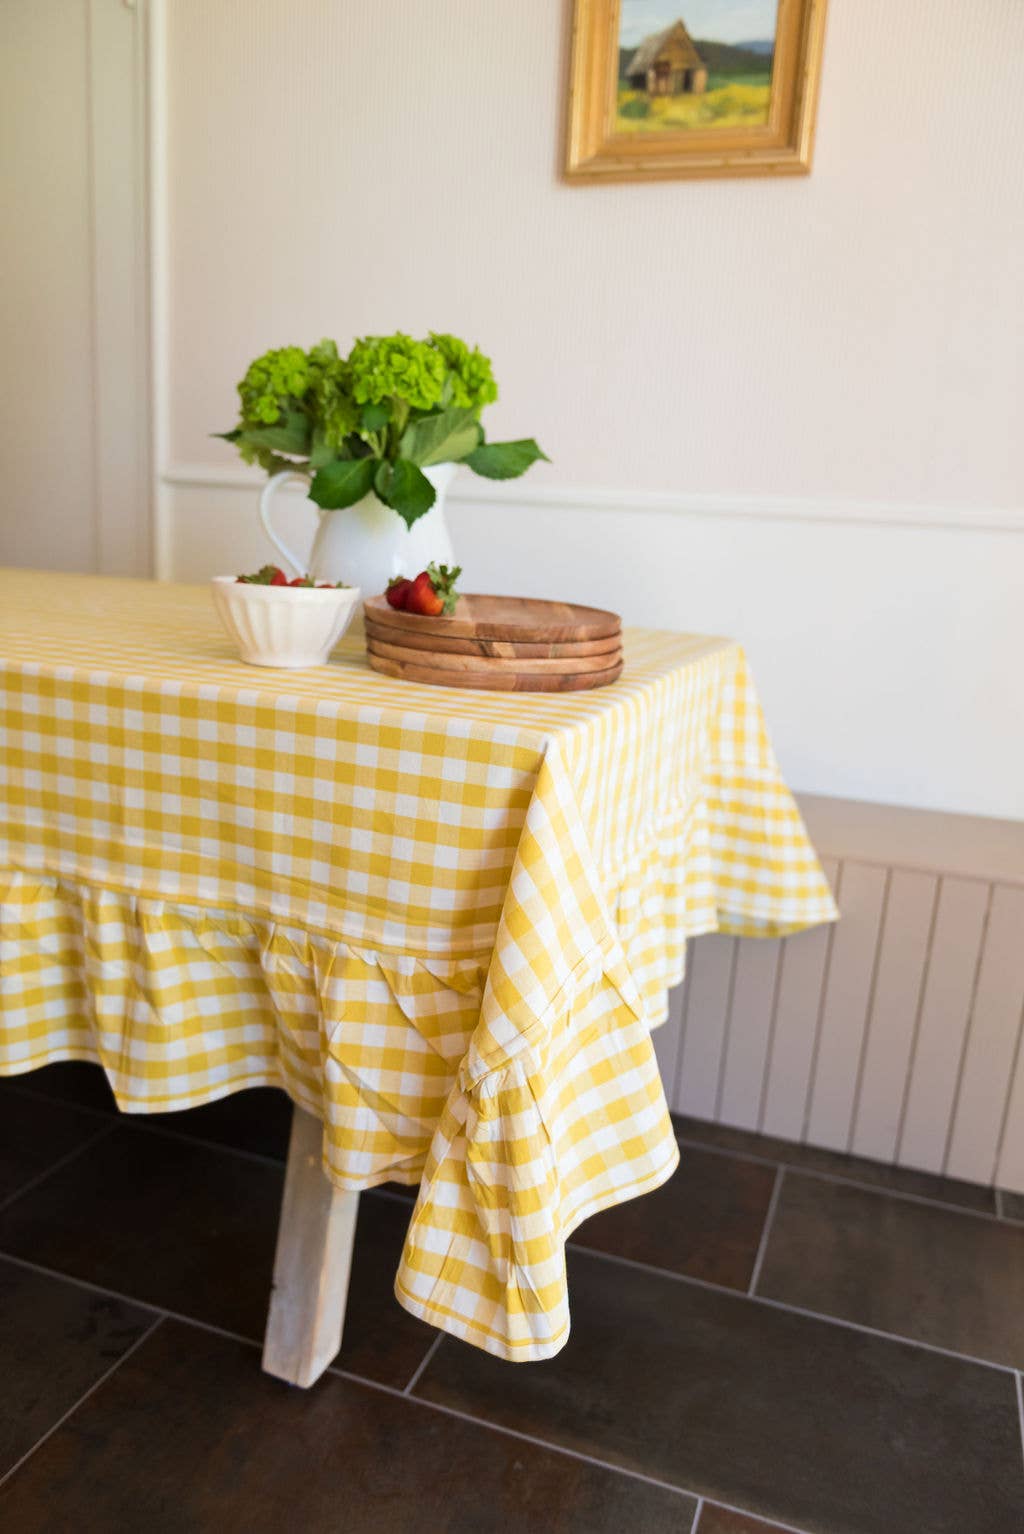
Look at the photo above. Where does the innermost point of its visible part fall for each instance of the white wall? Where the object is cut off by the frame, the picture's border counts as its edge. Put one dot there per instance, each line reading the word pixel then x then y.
pixel 788 410
pixel 46 294
pixel 74 463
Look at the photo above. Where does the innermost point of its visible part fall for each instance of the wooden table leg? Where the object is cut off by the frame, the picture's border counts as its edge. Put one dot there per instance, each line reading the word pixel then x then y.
pixel 311 1265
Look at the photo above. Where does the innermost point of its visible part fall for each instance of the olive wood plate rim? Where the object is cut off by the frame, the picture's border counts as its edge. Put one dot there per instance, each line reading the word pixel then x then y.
pixel 538 620
pixel 440 660
pixel 507 680
pixel 512 649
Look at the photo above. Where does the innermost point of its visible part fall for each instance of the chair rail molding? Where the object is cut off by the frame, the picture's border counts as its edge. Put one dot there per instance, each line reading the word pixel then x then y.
pixel 937 517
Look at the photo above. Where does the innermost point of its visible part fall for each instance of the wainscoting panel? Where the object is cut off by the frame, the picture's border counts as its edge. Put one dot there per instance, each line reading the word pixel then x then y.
pixel 749 1032
pixel 803 965
pixel 896 1034
pixel 948 997
pixel 704 1023
pixel 899 980
pixel 992 1041
pixel 846 1007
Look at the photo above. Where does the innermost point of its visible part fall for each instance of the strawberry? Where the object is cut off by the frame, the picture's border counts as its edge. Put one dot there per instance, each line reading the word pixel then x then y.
pixel 279 578
pixel 433 591
pixel 268 575
pixel 301 580
pixel 398 591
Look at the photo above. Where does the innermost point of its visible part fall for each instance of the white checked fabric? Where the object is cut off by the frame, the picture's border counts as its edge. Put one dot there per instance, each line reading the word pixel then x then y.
pixel 443 921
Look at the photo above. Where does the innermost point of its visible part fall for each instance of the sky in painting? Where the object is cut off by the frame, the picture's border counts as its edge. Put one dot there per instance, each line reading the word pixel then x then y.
pixel 720 21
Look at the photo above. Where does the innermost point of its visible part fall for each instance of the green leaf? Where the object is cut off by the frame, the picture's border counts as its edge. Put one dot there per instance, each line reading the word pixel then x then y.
pixel 405 488
pixel 321 452
pixel 373 417
pixel 505 460
pixel 343 482
pixel 292 435
pixel 447 437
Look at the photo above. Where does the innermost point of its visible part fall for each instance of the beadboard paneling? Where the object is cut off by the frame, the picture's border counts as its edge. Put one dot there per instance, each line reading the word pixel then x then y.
pixel 804 965
pixel 902 960
pixel 709 994
pixel 845 1007
pixel 993 1039
pixel 896 1034
pixel 748 1036
pixel 942 1026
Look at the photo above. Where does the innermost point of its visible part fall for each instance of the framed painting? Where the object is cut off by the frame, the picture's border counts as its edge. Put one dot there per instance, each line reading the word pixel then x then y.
pixel 677 88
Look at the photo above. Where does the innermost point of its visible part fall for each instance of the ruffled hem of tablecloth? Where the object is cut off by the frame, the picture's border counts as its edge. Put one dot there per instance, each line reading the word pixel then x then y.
pixel 182 1005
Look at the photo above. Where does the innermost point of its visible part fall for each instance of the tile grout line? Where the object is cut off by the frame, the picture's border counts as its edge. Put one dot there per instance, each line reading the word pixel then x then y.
pixel 160 1315
pixel 157 1321
pixel 148 1123
pixel 797 1310
pixel 628 1262
pixel 117 1120
pixel 1020 1410
pixel 63 1161
pixel 799 1170
pixel 586 1251
pixel 14 1084
pixel 558 1448
pixel 769 1220
pixel 511 1432
pixel 730 1507
pixel 159 1311
pixel 421 1366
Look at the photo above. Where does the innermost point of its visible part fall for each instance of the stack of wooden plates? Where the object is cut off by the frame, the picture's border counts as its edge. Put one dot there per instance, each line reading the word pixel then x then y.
pixel 511 644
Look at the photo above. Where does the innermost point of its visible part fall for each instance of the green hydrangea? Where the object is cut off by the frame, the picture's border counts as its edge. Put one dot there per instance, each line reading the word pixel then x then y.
pixel 397 367
pixel 331 401
pixel 377 419
pixel 274 382
pixel 471 382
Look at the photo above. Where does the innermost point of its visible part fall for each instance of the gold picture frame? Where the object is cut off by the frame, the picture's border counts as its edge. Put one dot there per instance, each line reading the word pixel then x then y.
pixel 615 134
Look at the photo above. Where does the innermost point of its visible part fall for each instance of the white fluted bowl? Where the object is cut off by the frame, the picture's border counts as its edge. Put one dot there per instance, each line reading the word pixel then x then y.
pixel 283 625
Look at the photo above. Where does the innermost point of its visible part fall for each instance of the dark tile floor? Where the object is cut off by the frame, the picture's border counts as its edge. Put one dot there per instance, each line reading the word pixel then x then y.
pixel 779 1340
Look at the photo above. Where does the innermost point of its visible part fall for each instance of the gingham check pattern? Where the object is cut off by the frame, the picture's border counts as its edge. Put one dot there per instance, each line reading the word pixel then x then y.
pixel 443 921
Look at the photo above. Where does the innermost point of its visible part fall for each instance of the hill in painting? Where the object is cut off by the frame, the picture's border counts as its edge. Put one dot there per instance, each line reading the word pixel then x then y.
pixel 721 58
pixel 728 59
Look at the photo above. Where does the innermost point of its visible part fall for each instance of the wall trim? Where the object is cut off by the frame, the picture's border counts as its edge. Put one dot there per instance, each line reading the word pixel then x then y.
pixel 889 514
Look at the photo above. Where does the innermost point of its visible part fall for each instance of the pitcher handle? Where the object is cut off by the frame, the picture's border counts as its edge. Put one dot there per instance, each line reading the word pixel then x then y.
pixel 272 485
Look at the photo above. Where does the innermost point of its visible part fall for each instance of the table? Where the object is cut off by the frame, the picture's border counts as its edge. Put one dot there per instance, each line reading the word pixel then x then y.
pixel 444 922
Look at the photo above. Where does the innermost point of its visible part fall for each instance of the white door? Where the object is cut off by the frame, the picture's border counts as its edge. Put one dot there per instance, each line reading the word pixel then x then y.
pixel 73 372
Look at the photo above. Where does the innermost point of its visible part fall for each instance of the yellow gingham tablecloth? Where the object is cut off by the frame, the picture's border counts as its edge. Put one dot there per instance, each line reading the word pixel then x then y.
pixel 443 921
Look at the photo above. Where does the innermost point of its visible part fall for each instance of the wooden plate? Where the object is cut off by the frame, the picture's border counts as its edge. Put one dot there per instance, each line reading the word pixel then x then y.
pixel 519 619
pixel 440 660
pixel 509 649
pixel 503 679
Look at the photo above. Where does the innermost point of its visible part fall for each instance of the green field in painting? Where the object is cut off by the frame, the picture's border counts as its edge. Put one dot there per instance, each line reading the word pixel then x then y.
pixel 738 101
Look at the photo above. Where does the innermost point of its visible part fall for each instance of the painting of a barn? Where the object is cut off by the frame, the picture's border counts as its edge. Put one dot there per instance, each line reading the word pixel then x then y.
pixel 668 64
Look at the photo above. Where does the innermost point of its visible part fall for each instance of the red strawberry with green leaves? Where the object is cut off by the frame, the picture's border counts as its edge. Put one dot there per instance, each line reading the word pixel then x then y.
pixel 433 592
pixel 397 592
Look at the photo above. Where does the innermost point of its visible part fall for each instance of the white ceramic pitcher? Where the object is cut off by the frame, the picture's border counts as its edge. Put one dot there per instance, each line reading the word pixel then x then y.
pixel 368 544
